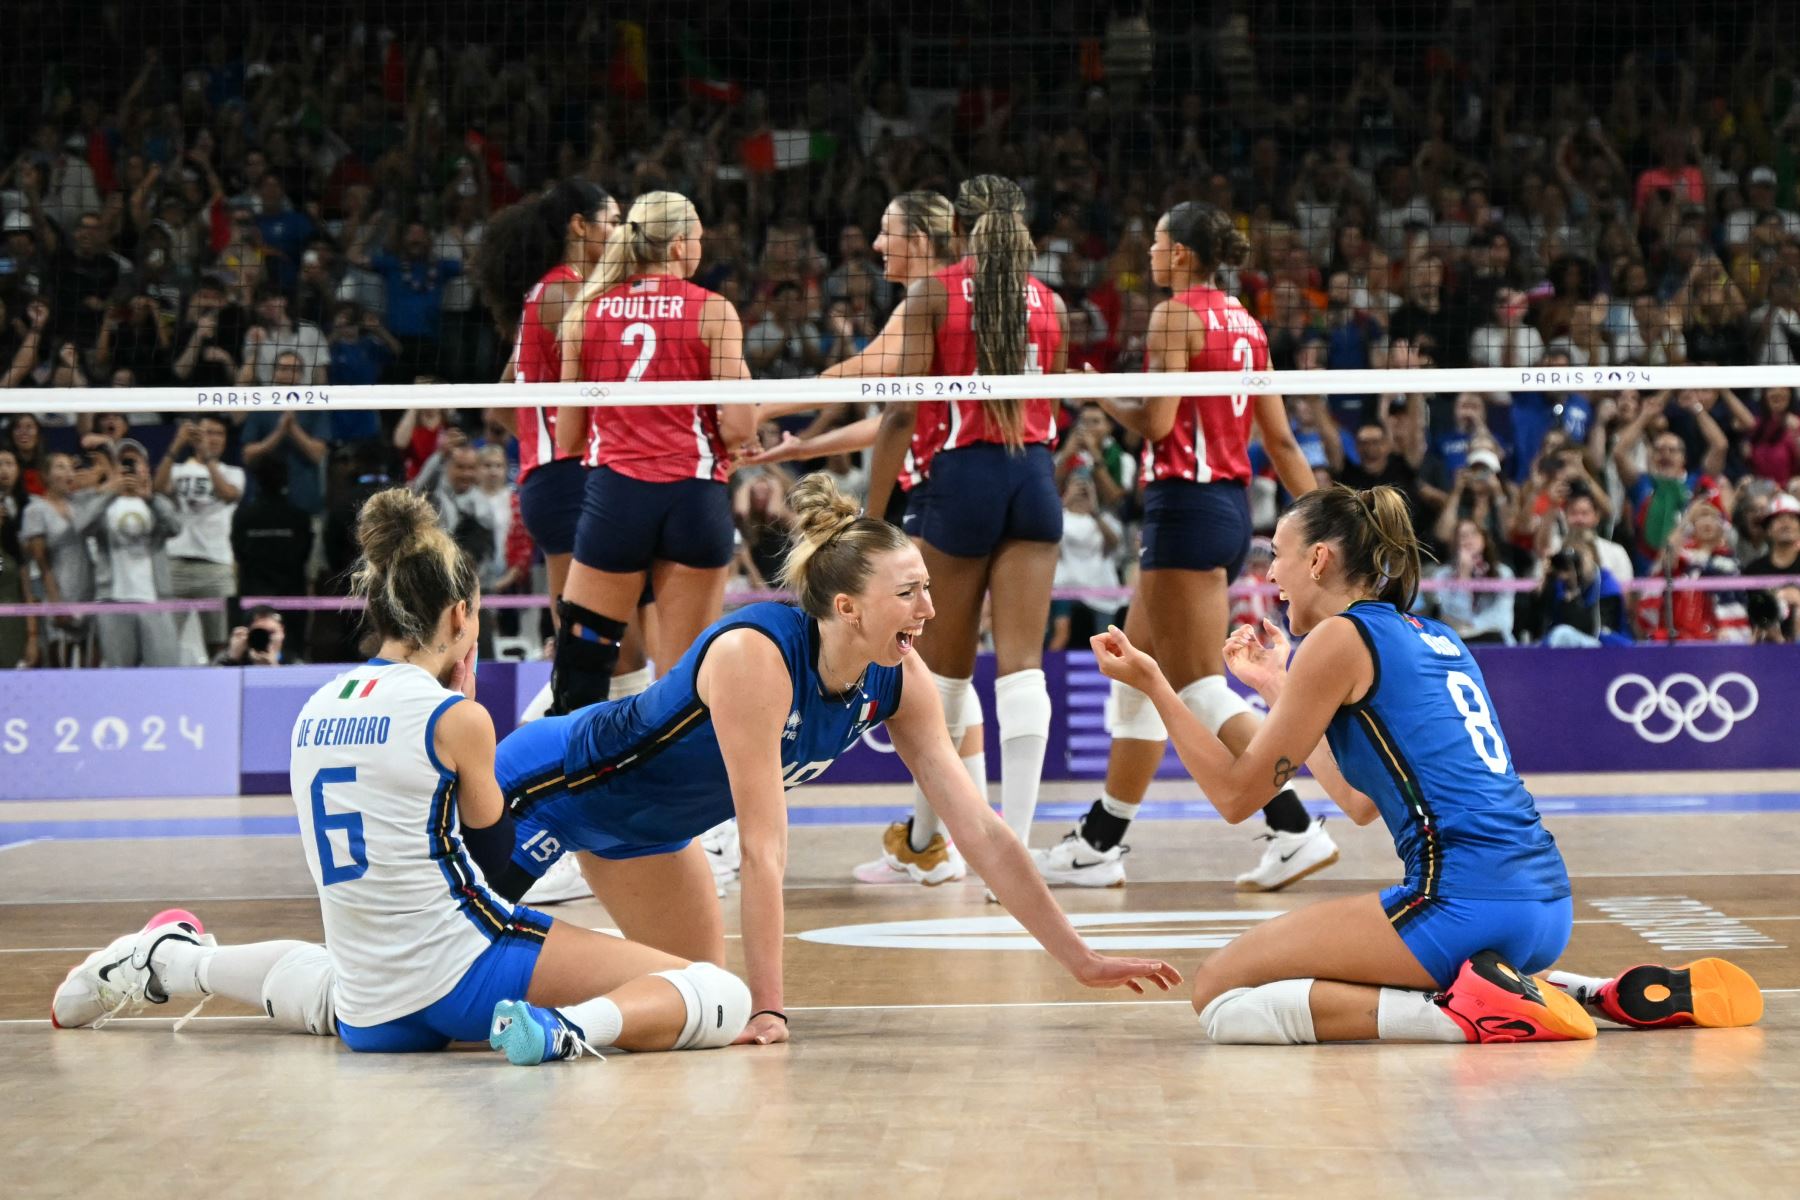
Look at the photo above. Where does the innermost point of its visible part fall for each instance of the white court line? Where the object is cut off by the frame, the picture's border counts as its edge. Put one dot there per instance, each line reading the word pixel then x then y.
pixel 801 1008
pixel 17 845
pixel 1383 880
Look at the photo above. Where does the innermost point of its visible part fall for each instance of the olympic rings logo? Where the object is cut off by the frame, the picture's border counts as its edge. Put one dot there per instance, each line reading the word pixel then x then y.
pixel 1683 704
pixel 595 393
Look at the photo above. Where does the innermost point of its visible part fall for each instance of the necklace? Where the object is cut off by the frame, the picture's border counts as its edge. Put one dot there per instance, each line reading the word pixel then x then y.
pixel 845 694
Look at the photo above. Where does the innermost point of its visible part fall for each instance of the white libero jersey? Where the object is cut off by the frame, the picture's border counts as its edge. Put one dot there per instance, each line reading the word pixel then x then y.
pixel 405 911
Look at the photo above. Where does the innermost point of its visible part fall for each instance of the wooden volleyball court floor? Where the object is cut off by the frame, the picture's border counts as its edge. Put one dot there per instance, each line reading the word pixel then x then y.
pixel 936 1052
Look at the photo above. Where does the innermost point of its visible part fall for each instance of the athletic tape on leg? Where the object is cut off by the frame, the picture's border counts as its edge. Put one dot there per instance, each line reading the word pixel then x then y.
pixel 718 1005
pixel 1275 1014
pixel 1212 700
pixel 1131 716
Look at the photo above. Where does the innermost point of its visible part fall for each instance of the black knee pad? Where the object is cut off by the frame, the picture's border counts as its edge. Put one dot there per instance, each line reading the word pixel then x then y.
pixel 587 650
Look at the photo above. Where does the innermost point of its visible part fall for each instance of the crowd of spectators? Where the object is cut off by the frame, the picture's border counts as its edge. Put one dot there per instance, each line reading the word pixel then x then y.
pixel 256 204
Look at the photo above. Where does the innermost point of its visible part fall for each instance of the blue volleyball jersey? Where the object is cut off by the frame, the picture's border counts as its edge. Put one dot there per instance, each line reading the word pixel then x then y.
pixel 647 769
pixel 1424 744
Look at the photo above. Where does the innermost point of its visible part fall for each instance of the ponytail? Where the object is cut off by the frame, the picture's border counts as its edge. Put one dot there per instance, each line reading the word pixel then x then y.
pixel 834 545
pixel 992 211
pixel 1374 533
pixel 1209 233
pixel 525 241
pixel 641 241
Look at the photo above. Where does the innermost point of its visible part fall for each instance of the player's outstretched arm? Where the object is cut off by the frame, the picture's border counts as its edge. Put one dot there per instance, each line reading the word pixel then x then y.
pixel 745 684
pixel 923 743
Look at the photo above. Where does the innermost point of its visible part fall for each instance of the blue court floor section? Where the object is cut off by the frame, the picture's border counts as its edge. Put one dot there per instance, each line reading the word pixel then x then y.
pixel 15 832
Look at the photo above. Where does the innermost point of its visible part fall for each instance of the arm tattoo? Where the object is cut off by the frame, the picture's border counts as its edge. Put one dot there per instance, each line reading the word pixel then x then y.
pixel 1284 771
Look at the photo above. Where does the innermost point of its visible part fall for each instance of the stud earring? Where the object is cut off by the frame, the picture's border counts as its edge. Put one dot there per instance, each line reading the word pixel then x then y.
pixel 1316 576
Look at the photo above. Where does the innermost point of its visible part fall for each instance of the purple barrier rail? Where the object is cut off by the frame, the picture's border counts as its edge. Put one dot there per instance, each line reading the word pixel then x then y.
pixel 1652 585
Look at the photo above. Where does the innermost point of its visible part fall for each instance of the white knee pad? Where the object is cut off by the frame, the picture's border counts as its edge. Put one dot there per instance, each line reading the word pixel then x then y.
pixel 631 683
pixel 718 1005
pixel 954 693
pixel 1130 715
pixel 1022 705
pixel 297 992
pixel 1275 1014
pixel 1212 700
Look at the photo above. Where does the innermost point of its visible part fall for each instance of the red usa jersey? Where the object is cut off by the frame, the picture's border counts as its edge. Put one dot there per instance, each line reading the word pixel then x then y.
pixel 927 436
pixel 537 358
pixel 649 328
pixel 1211 437
pixel 967 421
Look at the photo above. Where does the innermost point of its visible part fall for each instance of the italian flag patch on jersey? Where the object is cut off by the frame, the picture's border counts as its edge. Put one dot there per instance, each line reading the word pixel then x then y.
pixel 350 691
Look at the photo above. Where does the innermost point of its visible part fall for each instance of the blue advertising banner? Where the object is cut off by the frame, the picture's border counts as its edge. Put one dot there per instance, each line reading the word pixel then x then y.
pixel 68 735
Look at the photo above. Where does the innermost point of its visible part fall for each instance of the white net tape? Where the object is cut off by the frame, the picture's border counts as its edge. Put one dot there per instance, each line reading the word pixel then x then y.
pixel 914 388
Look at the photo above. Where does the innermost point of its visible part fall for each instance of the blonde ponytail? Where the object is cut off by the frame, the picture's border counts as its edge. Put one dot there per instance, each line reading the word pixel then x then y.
pixel 638 244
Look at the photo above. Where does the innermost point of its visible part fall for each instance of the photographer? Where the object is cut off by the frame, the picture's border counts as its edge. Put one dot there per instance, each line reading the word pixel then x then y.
pixel 257 644
pixel 1091 448
pixel 1580 603
pixel 1478 494
pixel 132 525
pixel 206 492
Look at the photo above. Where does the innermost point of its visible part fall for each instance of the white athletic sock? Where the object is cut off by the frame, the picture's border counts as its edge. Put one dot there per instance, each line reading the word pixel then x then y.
pixel 924 823
pixel 184 969
pixel 1121 809
pixel 599 1020
pixel 1404 1015
pixel 976 765
pixel 1585 988
pixel 1022 708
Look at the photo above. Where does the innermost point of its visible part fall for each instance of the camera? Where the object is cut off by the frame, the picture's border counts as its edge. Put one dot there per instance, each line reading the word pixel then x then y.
pixel 258 641
pixel 1565 561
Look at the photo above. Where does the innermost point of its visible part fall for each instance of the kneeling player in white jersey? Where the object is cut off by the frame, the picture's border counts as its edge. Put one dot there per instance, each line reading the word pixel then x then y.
pixel 387 763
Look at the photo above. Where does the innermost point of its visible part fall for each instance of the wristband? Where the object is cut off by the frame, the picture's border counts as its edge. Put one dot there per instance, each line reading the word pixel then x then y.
pixel 770 1012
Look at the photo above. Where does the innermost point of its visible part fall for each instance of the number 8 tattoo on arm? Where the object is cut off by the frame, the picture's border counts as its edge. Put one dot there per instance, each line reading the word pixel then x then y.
pixel 1284 771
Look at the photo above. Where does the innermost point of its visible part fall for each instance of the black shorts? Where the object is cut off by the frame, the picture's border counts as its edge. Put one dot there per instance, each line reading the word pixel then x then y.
pixel 1196 526
pixel 983 495
pixel 628 524
pixel 906 508
pixel 550 504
